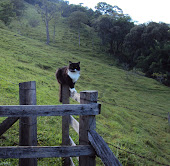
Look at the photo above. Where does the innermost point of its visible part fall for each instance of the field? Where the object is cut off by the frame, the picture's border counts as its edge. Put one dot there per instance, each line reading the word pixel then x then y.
pixel 134 108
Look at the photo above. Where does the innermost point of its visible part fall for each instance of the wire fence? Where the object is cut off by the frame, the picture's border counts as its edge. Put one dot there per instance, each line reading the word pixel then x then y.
pixel 138 155
pixel 133 109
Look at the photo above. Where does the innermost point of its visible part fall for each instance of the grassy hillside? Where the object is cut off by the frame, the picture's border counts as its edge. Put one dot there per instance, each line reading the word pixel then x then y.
pixel 134 108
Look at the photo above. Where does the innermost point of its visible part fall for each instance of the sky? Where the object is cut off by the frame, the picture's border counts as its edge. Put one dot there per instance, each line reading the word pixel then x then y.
pixel 141 11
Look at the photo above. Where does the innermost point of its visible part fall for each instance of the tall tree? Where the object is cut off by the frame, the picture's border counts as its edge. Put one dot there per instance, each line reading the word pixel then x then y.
pixel 18 7
pixel 47 10
pixel 107 9
pixel 6 12
pixel 76 20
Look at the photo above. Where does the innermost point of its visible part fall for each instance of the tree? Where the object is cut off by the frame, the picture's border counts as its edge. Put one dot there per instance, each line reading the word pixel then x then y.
pixel 6 12
pixel 18 7
pixel 147 47
pixel 30 1
pixel 113 30
pixel 47 11
pixel 76 20
pixel 103 26
pixel 56 16
pixel 107 9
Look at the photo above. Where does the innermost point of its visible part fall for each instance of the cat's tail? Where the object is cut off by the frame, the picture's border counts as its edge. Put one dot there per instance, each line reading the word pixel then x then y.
pixel 60 93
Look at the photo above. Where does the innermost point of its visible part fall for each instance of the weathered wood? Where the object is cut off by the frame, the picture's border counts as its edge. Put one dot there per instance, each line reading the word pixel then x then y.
pixel 74 123
pixel 87 123
pixel 6 124
pixel 102 149
pixel 49 110
pixel 75 96
pixel 89 96
pixel 65 94
pixel 27 125
pixel 45 152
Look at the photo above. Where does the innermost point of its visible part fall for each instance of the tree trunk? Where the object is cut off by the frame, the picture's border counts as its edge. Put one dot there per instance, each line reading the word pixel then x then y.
pixel 47 33
pixel 47 28
pixel 54 33
pixel 79 35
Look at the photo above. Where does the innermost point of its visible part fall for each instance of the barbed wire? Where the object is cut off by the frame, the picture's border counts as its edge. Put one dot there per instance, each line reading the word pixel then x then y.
pixel 133 109
pixel 143 157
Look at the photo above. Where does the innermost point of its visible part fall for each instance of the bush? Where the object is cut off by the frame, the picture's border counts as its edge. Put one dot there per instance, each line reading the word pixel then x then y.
pixel 33 22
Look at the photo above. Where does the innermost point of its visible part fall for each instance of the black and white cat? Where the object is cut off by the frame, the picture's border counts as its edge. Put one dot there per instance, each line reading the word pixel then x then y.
pixel 68 75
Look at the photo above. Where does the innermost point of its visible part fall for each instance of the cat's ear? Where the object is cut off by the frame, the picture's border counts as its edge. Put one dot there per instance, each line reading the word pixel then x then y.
pixel 70 62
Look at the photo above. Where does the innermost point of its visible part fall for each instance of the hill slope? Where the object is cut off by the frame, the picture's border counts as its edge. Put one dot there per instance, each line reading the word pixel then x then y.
pixel 134 108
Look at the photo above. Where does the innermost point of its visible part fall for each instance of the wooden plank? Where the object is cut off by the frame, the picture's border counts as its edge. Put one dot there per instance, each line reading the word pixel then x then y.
pixel 75 96
pixel 45 152
pixel 6 124
pixel 74 123
pixel 27 125
pixel 49 110
pixel 87 123
pixel 102 149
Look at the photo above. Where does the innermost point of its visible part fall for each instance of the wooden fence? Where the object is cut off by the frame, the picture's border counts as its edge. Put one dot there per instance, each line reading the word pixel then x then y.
pixel 91 144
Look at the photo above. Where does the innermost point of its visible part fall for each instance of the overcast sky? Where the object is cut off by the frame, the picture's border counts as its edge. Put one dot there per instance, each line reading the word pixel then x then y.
pixel 139 10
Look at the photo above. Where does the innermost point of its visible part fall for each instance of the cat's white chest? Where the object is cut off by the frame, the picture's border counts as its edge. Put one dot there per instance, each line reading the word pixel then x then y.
pixel 74 75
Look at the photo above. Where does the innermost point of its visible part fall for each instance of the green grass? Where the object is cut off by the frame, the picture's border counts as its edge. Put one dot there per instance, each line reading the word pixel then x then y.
pixel 26 57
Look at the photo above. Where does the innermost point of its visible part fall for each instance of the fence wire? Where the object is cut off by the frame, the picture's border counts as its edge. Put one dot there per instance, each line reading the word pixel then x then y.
pixel 143 157
pixel 133 109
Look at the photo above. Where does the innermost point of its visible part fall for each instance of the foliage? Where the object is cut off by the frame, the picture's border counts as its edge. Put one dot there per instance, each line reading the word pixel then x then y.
pixel 30 1
pixel 77 19
pixel 6 12
pixel 147 47
pixel 107 9
pixel 113 30
pixel 18 7
pixel 11 9
pixel 33 22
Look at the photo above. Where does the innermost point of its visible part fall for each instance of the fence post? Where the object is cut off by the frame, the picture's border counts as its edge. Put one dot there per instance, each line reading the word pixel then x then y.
pixel 87 123
pixel 27 125
pixel 65 92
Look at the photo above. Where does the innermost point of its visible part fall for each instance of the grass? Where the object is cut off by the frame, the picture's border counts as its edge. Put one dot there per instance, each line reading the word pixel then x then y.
pixel 128 99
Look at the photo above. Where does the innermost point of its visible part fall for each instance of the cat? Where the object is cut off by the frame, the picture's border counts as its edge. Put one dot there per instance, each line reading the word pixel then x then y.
pixel 68 75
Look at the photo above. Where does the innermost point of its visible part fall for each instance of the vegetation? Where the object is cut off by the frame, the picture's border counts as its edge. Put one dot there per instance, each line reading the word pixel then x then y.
pixel 134 107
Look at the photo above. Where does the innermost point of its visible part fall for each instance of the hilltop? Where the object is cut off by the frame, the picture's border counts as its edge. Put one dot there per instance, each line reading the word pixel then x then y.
pixel 134 108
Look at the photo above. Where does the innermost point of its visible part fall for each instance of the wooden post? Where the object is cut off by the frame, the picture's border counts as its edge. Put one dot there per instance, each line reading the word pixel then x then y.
pixel 27 125
pixel 87 123
pixel 65 92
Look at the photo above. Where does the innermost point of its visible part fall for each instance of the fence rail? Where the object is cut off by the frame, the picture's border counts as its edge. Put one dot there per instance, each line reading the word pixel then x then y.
pixel 49 110
pixel 90 142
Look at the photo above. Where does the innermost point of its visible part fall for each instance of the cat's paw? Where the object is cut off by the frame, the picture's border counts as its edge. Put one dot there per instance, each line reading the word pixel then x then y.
pixel 73 90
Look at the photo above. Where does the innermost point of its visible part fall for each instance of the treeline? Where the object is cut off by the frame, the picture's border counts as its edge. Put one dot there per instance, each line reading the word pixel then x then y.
pixel 145 46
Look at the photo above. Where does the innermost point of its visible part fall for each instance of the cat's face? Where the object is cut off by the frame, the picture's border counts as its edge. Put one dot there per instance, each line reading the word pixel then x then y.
pixel 73 67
